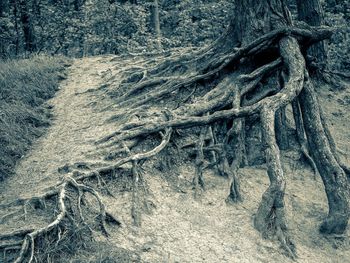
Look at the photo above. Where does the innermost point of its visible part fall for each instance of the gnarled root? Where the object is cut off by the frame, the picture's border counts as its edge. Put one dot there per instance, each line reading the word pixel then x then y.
pixel 234 184
pixel 26 244
pixel 270 217
pixel 235 133
pixel 215 106
pixel 271 212
pixel 198 180
pixel 299 125
pixel 333 175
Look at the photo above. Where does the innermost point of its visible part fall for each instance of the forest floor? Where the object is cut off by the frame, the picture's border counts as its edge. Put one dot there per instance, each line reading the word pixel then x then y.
pixel 178 227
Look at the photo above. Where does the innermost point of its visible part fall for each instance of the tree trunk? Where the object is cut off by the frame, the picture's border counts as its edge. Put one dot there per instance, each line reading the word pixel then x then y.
pixel 15 14
pixel 4 7
pixel 253 18
pixel 78 4
pixel 311 12
pixel 281 129
pixel 4 30
pixel 27 26
pixel 155 23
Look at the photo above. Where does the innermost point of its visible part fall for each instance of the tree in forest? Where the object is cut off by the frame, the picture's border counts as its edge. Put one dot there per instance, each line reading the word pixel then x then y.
pixel 5 25
pixel 155 22
pixel 80 27
pixel 247 76
pixel 26 16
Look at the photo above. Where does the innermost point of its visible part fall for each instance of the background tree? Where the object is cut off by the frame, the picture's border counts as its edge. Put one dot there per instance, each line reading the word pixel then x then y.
pixel 27 15
pixel 5 26
pixel 155 23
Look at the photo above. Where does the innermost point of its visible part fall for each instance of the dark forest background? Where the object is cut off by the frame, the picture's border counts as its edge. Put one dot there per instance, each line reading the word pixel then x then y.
pixel 92 27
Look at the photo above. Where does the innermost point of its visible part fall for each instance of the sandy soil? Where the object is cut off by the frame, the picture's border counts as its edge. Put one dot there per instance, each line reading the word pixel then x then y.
pixel 179 228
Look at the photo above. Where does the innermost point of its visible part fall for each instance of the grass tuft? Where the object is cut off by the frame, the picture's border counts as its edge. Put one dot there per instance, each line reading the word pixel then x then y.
pixel 24 87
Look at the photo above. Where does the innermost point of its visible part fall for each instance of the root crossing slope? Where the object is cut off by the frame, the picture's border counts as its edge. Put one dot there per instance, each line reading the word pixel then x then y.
pixel 177 227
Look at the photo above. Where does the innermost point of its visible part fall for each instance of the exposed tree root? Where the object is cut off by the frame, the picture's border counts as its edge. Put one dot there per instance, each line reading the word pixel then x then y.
pixel 227 101
pixel 215 63
pixel 270 217
pixel 299 126
pixel 333 175
pixel 234 74
pixel 29 236
pixel 271 212
pixel 27 245
pixel 213 155
pixel 131 158
pixel 198 180
pixel 282 98
pixel 237 147
pixel 281 128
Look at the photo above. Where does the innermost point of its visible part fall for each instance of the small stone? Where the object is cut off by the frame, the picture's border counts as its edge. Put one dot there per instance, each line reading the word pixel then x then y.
pixel 64 169
pixel 147 246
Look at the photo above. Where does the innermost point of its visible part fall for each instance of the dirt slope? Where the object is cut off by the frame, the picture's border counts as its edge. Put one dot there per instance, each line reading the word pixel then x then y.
pixel 178 228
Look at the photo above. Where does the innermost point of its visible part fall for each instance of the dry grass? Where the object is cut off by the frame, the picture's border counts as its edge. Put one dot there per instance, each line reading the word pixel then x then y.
pixel 105 252
pixel 24 87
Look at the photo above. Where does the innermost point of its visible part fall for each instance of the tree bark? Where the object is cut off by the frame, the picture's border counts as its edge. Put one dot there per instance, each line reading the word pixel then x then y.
pixel 301 137
pixel 15 14
pixel 311 12
pixel 333 176
pixel 281 129
pixel 273 198
pixel 155 22
pixel 4 30
pixel 252 19
pixel 78 4
pixel 27 26
pixel 4 7
pixel 236 133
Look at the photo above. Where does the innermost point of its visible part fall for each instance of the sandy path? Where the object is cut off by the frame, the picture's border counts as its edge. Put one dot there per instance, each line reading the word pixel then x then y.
pixel 182 229
pixel 77 123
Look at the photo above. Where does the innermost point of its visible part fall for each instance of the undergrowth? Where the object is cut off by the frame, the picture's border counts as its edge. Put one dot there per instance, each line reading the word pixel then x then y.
pixel 24 87
pixel 103 252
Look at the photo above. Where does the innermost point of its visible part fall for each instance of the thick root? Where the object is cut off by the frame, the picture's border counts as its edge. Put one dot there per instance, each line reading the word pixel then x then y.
pixel 299 125
pixel 270 217
pixel 333 175
pixel 234 195
pixel 237 144
pixel 198 180
pixel 271 211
